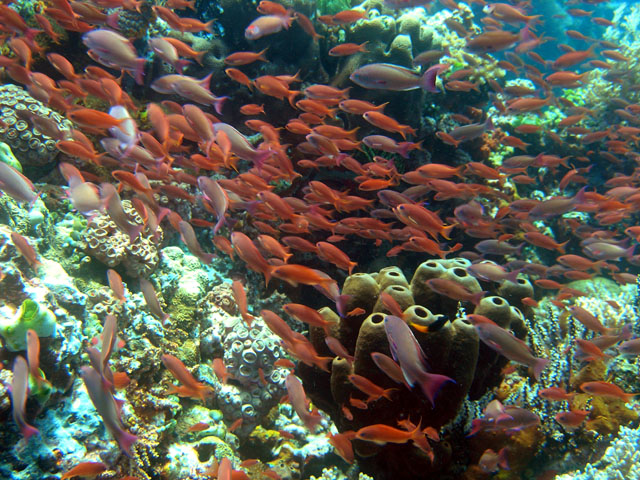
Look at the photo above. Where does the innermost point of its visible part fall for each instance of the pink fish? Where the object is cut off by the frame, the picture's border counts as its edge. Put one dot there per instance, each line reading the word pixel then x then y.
pixel 407 352
pixel 267 25
pixel 151 298
pixel 109 195
pixel 300 404
pixel 386 144
pixel 503 418
pixel 16 185
pixel 19 393
pixel 505 343
pixel 241 147
pixel 167 52
pixel 216 197
pixel 114 51
pixel 385 76
pixel 188 236
pixel 107 408
pixel 491 462
pixel 33 356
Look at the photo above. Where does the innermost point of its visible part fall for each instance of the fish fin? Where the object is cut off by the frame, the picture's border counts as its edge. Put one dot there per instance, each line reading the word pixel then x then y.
pixel 139 70
pixel 431 383
pixel 538 366
pixel 180 64
pixel 341 304
pixel 126 441
pixel 502 459
pixel 28 431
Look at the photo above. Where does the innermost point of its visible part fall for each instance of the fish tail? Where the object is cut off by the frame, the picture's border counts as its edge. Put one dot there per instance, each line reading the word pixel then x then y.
pixel 476 297
pixel 261 56
pixel 199 56
pixel 387 393
pixel 30 33
pixel 446 231
pixel 218 102
pixel 180 64
pixel 513 276
pixel 341 304
pixel 291 96
pixel 539 365
pixel 626 332
pixel 126 441
pixel 267 275
pixel 431 383
pixel 28 431
pixel 560 247
pixel 502 459
pixel 139 70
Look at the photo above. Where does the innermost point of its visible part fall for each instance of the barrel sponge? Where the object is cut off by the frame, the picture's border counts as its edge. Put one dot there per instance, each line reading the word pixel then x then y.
pixel 400 294
pixel 390 276
pixel 381 28
pixel 401 51
pixel 30 316
pixel 515 292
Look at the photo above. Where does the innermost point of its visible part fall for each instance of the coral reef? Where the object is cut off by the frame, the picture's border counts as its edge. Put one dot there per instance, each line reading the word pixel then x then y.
pixel 106 243
pixel 30 146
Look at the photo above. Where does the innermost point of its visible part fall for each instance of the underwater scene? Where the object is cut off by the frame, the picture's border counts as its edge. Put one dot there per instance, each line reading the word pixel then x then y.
pixel 319 240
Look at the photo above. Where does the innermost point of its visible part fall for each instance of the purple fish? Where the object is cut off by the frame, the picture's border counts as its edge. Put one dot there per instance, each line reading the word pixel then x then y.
pixel 497 247
pixel 406 350
pixel 300 404
pixel 151 298
pixel 107 408
pixel 397 4
pixel 471 131
pixel 608 251
pixel 19 393
pixel 505 343
pixel 385 76
pixel 16 185
pixel 503 418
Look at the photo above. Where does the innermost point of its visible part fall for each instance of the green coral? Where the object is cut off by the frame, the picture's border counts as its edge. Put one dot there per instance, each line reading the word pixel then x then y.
pixel 7 156
pixel 31 315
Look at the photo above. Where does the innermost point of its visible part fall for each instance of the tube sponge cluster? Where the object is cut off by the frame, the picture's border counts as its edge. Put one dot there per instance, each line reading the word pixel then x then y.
pixel 453 350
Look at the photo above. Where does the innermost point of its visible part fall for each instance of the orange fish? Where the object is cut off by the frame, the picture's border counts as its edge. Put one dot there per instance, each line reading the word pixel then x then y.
pixel 26 250
pixel 295 274
pixel 387 123
pixel 85 469
pixel 190 386
pixel 607 390
pixel 345 49
pixel 240 296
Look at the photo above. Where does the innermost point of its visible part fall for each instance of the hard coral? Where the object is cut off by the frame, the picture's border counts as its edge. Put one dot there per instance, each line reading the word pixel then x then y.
pixel 29 145
pixel 106 243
